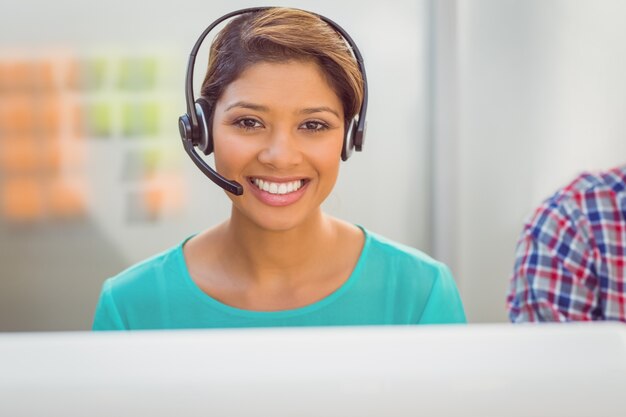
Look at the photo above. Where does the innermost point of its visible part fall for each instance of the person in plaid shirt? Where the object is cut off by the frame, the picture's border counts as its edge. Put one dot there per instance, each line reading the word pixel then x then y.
pixel 570 258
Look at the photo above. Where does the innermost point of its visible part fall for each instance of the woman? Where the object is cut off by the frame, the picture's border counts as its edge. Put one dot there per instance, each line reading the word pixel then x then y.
pixel 281 87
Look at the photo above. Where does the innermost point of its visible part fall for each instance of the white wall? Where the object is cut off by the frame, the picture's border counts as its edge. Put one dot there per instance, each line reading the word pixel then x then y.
pixel 540 96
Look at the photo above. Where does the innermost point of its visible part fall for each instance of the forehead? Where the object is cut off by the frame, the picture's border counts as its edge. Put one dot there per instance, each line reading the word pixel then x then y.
pixel 290 83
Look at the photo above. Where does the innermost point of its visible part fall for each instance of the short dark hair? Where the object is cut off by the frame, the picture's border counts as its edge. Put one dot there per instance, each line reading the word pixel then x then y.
pixel 278 35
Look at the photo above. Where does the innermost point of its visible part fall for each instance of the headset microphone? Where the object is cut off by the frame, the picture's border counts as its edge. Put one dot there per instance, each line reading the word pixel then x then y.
pixel 195 126
pixel 186 133
pixel 231 186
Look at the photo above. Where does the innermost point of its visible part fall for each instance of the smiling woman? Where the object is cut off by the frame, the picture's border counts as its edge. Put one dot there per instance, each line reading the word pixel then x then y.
pixel 282 95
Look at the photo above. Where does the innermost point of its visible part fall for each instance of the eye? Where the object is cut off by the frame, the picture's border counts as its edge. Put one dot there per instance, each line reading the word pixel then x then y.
pixel 247 123
pixel 314 126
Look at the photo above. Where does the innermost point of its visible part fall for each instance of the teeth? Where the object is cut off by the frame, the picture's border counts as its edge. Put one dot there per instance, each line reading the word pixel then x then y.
pixel 278 188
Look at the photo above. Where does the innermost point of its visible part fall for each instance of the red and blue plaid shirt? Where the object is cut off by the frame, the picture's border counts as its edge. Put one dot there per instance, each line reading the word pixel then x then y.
pixel 570 258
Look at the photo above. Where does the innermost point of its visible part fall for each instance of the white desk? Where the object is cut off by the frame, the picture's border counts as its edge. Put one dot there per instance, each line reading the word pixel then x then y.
pixel 479 370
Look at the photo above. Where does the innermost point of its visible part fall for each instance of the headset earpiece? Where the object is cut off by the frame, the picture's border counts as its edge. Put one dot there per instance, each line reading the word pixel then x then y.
pixel 359 135
pixel 204 139
pixel 348 140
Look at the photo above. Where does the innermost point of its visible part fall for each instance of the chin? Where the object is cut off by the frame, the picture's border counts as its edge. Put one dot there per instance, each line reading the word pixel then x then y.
pixel 278 224
pixel 276 219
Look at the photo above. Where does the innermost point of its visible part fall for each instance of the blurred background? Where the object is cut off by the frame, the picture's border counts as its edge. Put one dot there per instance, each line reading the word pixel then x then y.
pixel 479 110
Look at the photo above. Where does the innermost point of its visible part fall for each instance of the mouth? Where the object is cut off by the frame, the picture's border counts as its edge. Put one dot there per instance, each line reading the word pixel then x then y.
pixel 276 187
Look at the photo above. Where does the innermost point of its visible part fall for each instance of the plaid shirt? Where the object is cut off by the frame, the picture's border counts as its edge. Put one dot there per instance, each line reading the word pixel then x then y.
pixel 571 255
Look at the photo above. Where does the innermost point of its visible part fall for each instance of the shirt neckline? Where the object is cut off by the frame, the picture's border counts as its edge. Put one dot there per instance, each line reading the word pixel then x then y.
pixel 218 305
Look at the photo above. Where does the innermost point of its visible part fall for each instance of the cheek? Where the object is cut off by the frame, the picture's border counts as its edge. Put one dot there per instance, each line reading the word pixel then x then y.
pixel 230 154
pixel 224 158
pixel 328 159
pixel 334 153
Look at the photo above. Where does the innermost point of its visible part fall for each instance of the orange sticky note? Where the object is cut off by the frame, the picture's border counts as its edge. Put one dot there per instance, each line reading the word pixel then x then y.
pixel 22 199
pixel 50 116
pixel 153 200
pixel 19 155
pixel 51 156
pixel 17 75
pixel 67 198
pixel 172 189
pixel 17 114
pixel 44 74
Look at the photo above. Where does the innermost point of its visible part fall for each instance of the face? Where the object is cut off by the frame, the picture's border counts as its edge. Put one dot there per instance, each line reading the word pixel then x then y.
pixel 278 131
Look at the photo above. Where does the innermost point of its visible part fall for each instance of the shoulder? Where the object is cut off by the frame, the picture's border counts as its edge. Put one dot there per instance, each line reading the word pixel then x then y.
pixel 585 199
pixel 126 297
pixel 418 284
pixel 592 186
pixel 403 259
pixel 145 276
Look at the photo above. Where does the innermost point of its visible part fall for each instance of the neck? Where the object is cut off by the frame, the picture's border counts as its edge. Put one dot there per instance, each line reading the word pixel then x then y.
pixel 270 255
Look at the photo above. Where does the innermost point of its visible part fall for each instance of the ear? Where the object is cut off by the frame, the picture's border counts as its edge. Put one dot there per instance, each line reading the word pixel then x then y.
pixel 205 121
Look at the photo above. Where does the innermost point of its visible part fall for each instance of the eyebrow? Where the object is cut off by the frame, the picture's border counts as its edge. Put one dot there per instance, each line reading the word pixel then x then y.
pixel 246 105
pixel 319 110
pixel 259 107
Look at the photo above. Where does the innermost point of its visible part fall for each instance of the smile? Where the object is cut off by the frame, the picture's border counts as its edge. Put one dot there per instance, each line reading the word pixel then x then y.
pixel 278 187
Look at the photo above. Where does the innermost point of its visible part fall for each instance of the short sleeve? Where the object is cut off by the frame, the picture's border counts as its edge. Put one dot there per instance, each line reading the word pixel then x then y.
pixel 107 316
pixel 444 305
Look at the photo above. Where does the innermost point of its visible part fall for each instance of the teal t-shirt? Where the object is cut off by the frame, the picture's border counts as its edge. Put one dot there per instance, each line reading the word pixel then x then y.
pixel 390 284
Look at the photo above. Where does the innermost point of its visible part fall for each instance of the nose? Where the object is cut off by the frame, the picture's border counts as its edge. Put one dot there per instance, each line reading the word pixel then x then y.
pixel 281 150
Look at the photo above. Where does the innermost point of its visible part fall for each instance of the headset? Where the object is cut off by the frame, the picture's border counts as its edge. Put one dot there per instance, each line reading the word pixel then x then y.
pixel 195 126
